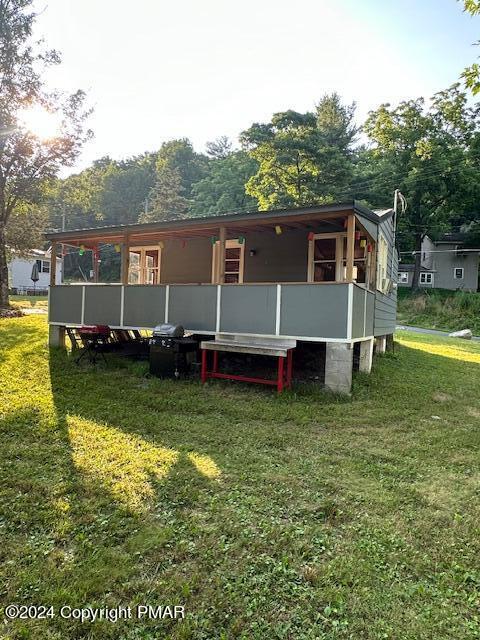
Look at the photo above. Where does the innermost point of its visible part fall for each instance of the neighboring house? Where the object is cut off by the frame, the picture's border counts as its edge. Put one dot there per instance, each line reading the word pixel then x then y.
pixel 20 271
pixel 446 263
pixel 325 274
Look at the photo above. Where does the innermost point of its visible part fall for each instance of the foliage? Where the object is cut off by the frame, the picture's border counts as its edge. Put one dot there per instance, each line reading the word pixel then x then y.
pixel 28 162
pixel 440 309
pixel 223 189
pixel 430 154
pixel 220 148
pixel 253 511
pixel 24 228
pixel 471 75
pixel 303 158
pixel 166 201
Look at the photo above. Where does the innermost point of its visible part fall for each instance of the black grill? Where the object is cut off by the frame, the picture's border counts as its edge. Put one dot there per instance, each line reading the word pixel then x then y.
pixel 168 351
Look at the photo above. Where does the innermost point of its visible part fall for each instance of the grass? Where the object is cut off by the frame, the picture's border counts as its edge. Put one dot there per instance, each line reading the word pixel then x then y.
pixel 29 302
pixel 305 516
pixel 440 309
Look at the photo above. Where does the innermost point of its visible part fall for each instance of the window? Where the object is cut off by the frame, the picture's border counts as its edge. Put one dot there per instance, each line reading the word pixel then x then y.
pixel 328 258
pixel 325 259
pixel 234 261
pixel 403 277
pixel 43 266
pixel 458 273
pixel 383 282
pixel 426 278
pixel 144 265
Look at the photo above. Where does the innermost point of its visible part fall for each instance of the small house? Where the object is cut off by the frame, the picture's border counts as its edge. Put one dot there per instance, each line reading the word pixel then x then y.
pixel 323 275
pixel 446 263
pixel 20 272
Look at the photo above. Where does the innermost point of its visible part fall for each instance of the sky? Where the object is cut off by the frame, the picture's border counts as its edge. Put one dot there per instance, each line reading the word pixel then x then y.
pixel 155 70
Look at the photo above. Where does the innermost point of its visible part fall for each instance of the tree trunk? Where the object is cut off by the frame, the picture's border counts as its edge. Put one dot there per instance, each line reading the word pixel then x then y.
pixel 418 261
pixel 4 302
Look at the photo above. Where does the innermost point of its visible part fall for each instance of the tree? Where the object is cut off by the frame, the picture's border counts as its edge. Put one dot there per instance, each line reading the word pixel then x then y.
pixel 223 189
pixel 471 75
pixel 220 148
pixel 180 155
pixel 28 161
pixel 166 199
pixel 427 153
pixel 303 158
pixel 125 191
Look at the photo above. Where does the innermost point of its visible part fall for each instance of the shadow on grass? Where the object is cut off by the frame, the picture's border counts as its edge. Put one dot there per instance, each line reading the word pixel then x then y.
pixel 121 488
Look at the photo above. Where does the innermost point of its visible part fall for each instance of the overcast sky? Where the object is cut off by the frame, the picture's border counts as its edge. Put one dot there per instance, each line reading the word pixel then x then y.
pixel 158 69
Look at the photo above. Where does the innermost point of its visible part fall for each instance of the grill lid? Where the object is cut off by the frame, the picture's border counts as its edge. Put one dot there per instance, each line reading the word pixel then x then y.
pixel 168 330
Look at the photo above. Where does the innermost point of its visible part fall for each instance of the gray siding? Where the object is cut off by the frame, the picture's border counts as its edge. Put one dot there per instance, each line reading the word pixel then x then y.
pixel 362 312
pixel 386 305
pixel 102 304
pixel 314 310
pixel 248 309
pixel 193 306
pixel 445 263
pixel 144 305
pixel 65 304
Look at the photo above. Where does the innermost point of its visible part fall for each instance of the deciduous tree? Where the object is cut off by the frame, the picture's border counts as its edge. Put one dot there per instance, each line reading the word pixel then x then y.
pixel 28 160
pixel 427 152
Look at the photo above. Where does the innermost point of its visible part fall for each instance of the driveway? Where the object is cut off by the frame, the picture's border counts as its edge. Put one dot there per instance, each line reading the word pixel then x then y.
pixel 435 332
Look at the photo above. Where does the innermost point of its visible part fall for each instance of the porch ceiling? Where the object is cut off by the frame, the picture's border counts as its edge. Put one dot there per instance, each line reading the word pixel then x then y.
pixel 235 224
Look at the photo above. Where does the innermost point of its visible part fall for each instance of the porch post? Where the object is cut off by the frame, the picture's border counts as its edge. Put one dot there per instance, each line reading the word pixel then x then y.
pixel 350 246
pixel 95 263
pixel 366 354
pixel 125 258
pixel 221 255
pixel 53 265
pixel 338 367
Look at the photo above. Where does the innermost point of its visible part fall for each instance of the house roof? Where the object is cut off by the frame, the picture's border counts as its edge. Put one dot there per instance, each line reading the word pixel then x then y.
pixel 411 267
pixel 210 224
pixel 447 238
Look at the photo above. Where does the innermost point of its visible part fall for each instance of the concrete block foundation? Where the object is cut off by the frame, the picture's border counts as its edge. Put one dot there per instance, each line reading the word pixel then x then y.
pixel 338 367
pixel 366 356
pixel 56 336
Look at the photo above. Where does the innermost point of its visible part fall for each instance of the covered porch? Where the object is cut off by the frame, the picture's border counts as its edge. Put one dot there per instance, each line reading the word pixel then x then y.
pixel 308 275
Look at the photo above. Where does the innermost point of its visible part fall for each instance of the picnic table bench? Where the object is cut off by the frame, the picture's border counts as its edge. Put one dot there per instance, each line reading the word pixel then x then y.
pixel 281 349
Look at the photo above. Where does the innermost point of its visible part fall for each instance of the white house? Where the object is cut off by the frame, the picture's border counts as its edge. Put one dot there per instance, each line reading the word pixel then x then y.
pixel 20 271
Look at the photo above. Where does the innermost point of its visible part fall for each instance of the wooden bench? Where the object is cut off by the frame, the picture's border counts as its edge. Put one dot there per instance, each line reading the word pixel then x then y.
pixel 281 349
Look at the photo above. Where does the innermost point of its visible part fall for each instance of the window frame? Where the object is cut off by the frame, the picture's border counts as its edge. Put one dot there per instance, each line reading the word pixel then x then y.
pixel 340 277
pixel 142 269
pixel 455 269
pixel 382 278
pixel 232 243
pixel 41 265
pixel 402 273
pixel 426 273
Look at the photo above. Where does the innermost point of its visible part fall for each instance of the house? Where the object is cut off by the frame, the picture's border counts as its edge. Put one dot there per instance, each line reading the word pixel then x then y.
pixel 446 263
pixel 323 275
pixel 20 271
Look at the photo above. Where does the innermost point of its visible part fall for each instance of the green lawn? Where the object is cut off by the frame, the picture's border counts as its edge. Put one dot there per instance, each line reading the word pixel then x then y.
pixel 29 302
pixel 304 516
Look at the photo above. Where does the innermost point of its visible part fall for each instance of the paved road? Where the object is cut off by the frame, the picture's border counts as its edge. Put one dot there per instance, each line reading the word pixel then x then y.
pixel 435 332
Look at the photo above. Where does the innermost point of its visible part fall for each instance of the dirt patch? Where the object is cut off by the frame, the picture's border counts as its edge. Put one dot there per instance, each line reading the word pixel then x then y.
pixel 441 397
pixel 10 313
pixel 475 413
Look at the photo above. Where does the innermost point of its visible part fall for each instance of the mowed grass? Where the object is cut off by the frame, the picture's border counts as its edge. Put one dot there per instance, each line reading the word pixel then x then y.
pixel 29 302
pixel 302 516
